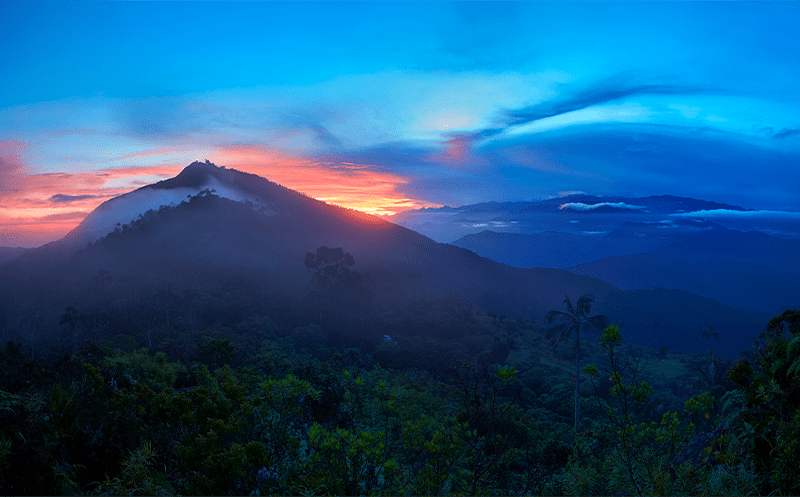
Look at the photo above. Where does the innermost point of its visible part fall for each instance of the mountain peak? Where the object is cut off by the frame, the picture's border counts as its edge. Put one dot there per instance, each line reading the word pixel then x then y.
pixel 261 193
pixel 194 178
pixel 195 175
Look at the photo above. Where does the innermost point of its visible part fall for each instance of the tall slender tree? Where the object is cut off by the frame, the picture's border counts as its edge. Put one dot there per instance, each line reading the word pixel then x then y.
pixel 708 334
pixel 576 319
pixel 73 319
pixel 332 273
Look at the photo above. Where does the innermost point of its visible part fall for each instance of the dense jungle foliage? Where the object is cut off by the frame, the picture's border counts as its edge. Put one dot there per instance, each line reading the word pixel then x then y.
pixel 191 394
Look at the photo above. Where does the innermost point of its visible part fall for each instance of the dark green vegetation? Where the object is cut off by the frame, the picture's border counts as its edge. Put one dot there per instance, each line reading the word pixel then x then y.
pixel 438 397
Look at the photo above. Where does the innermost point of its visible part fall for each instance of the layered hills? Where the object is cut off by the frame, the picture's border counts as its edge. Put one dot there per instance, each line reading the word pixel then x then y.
pixel 641 243
pixel 240 235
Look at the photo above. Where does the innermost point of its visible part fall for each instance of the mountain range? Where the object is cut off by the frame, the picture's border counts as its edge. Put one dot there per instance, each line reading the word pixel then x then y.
pixel 184 232
pixel 592 216
pixel 638 243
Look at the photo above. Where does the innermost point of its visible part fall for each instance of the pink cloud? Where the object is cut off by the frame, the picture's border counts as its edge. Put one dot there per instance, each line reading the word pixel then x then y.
pixel 11 164
pixel 32 231
pixel 458 154
pixel 31 205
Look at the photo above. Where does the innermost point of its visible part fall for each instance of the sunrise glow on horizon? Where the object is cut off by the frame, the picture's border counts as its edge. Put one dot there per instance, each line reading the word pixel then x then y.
pixel 412 105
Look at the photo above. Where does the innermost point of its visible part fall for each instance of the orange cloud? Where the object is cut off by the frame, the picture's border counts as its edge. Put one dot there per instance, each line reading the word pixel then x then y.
pixel 356 186
pixel 34 230
pixel 38 208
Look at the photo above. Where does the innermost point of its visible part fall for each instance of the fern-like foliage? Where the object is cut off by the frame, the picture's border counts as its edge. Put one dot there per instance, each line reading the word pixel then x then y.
pixel 733 401
pixel 794 346
pixel 7 400
pixel 778 364
pixel 792 350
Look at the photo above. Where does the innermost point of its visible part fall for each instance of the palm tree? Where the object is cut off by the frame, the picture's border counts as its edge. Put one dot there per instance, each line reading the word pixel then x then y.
pixel 709 333
pixel 73 318
pixel 576 318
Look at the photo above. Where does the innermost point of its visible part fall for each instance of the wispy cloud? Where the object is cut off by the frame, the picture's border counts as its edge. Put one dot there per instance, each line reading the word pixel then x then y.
pixel 66 216
pixel 147 153
pixel 751 214
pixel 156 118
pixel 32 205
pixel 787 133
pixel 581 207
pixel 609 90
pixel 61 198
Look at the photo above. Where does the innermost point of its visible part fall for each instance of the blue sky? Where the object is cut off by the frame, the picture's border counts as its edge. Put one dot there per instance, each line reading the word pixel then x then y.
pixel 386 106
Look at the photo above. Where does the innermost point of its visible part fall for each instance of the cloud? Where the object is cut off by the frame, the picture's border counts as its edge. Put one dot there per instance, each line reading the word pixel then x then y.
pixel 405 139
pixel 147 154
pixel 304 131
pixel 155 117
pixel 786 133
pixel 31 209
pixel 751 214
pixel 164 171
pixel 610 90
pixel 66 216
pixel 606 91
pixel 32 231
pixel 332 178
pixel 11 164
pixel 60 198
pixel 581 207
pixel 698 162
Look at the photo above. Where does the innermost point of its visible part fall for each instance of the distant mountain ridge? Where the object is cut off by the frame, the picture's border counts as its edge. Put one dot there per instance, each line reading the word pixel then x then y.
pixel 10 254
pixel 746 269
pixel 578 213
pixel 654 203
pixel 757 283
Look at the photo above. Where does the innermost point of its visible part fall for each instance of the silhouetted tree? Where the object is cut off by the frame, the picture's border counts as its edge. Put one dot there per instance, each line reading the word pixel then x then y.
pixel 32 319
pixel 575 319
pixel 73 318
pixel 331 272
pixel 331 265
pixel 99 287
pixel 709 333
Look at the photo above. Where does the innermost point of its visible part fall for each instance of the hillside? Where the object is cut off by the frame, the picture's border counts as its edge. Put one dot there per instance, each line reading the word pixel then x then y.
pixel 10 254
pixel 210 242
